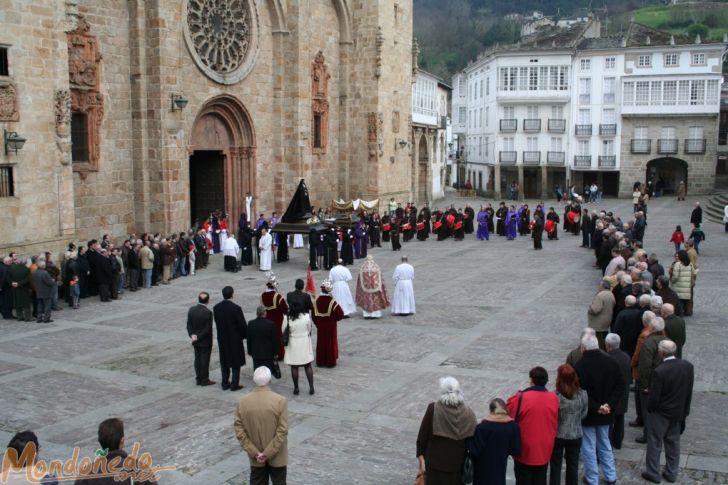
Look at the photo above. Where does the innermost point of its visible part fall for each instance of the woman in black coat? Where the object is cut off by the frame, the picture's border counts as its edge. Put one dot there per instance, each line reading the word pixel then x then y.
pixel 82 268
pixel 496 437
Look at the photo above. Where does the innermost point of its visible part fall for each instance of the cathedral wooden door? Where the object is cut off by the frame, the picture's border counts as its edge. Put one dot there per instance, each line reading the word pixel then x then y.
pixel 207 184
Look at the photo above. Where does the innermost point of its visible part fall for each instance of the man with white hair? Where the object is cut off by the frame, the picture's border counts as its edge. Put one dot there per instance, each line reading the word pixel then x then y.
pixel 656 304
pixel 674 327
pixel 403 300
pixel 600 377
pixel 600 311
pixel 649 359
pixel 44 284
pixel 668 407
pixel 261 426
pixel 616 431
pixel 628 325
pixel 575 355
pixel 339 276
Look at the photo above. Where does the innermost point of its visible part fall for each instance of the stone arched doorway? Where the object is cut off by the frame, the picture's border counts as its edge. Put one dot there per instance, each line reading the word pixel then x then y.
pixel 222 160
pixel 423 159
pixel 666 174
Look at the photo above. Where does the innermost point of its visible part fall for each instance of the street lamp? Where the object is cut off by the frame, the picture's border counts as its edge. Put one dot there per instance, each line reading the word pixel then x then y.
pixel 12 141
pixel 178 102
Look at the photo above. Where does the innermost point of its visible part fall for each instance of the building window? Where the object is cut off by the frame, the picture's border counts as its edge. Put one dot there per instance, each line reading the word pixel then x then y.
pixel 697 92
pixel 609 87
pixel 610 62
pixel 644 60
pixel 508 144
pixel 656 93
pixel 487 115
pixel 523 79
pixel 713 91
pixel 584 117
pixel 643 93
pixel 79 137
pixel 487 86
pixel 533 79
pixel 487 142
pixel 557 144
pixel 543 78
pixel 532 112
pixel 557 112
pixel 480 146
pixel 628 94
pixel 585 90
pixel 641 133
pixel 509 112
pixel 462 115
pixel 671 60
pixel 607 148
pixel 683 92
pixel 669 93
pixel 481 88
pixel 480 118
pixel 585 65
pixel 4 66
pixel 582 148
pixel 608 117
pixel 317 131
pixel 698 59
pixel 695 132
pixel 7 185
pixel 563 78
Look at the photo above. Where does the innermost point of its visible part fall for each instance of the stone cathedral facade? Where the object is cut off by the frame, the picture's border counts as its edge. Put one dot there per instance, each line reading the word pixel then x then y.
pixel 145 115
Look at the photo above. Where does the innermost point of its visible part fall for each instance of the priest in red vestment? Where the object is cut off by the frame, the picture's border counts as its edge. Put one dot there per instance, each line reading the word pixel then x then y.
pixel 326 316
pixel 371 294
pixel 276 309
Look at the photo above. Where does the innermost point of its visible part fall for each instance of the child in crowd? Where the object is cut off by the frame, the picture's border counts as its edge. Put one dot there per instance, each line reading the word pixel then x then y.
pixel 678 238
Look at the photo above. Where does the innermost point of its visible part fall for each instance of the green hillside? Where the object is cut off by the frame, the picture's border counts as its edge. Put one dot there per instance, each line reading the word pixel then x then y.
pixel 687 19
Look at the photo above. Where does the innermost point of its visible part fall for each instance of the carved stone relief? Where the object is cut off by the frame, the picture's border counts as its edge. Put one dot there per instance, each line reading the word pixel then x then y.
pixel 62 104
pixel 84 69
pixel 395 121
pixel 372 135
pixel 320 100
pixel 380 45
pixel 8 103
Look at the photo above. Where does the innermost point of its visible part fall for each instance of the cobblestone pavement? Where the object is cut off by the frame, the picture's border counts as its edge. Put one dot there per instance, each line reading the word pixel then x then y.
pixel 487 312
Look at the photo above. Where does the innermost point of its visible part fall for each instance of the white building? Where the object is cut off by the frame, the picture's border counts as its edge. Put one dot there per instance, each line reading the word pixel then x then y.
pixel 429 134
pixel 571 107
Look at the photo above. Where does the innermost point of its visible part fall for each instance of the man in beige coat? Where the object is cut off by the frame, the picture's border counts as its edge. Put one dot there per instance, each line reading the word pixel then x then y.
pixel 261 426
pixel 601 310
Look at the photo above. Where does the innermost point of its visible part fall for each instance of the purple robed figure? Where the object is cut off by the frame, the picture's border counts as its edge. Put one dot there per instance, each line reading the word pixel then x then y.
pixel 360 241
pixel 483 233
pixel 511 224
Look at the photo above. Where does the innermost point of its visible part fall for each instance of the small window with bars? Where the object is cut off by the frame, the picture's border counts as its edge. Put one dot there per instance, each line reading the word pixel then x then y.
pixel 7 185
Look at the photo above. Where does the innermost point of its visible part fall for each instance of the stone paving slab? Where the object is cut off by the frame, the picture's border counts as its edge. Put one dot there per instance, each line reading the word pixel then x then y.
pixel 486 313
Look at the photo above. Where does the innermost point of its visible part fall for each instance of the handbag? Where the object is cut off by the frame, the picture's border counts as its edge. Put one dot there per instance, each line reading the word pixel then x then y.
pixel 420 480
pixel 286 333
pixel 467 469
pixel 276 371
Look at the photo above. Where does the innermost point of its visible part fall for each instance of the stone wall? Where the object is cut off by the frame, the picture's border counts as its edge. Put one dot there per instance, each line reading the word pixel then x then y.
pixel 141 182
pixel 701 168
pixel 40 215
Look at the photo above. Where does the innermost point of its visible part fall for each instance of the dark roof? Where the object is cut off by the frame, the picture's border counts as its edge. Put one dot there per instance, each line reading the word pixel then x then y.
pixel 601 43
pixel 640 35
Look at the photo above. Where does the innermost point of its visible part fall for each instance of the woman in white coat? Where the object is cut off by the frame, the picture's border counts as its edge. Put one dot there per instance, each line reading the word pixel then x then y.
pixel 299 350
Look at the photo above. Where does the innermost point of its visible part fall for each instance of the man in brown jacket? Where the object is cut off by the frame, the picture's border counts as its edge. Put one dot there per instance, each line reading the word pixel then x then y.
pixel 261 426
pixel 168 255
pixel 601 310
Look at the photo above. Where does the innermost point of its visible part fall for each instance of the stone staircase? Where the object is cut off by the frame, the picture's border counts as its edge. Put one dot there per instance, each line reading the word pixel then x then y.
pixel 714 209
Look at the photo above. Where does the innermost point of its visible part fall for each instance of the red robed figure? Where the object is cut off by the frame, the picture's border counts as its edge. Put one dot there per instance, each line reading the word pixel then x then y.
pixel 326 314
pixel 386 227
pixel 420 226
pixel 549 226
pixel 437 225
pixel 276 309
pixel 458 225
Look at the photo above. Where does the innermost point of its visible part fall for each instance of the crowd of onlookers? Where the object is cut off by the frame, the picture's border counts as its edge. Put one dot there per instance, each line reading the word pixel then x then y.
pixel 633 343
pixel 34 287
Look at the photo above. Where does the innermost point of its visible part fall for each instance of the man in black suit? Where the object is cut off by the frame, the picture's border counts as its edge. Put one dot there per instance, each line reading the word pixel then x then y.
pixel 262 343
pixel 299 297
pixel 668 405
pixel 231 331
pixel 199 328
pixel 616 431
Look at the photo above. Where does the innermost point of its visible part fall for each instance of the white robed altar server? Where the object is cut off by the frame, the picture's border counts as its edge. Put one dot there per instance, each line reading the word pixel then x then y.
pixel 297 241
pixel 231 250
pixel 403 300
pixel 340 277
pixel 266 252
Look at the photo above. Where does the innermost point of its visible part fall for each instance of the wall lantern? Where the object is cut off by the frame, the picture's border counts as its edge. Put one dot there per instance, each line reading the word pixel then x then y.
pixel 178 102
pixel 12 141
